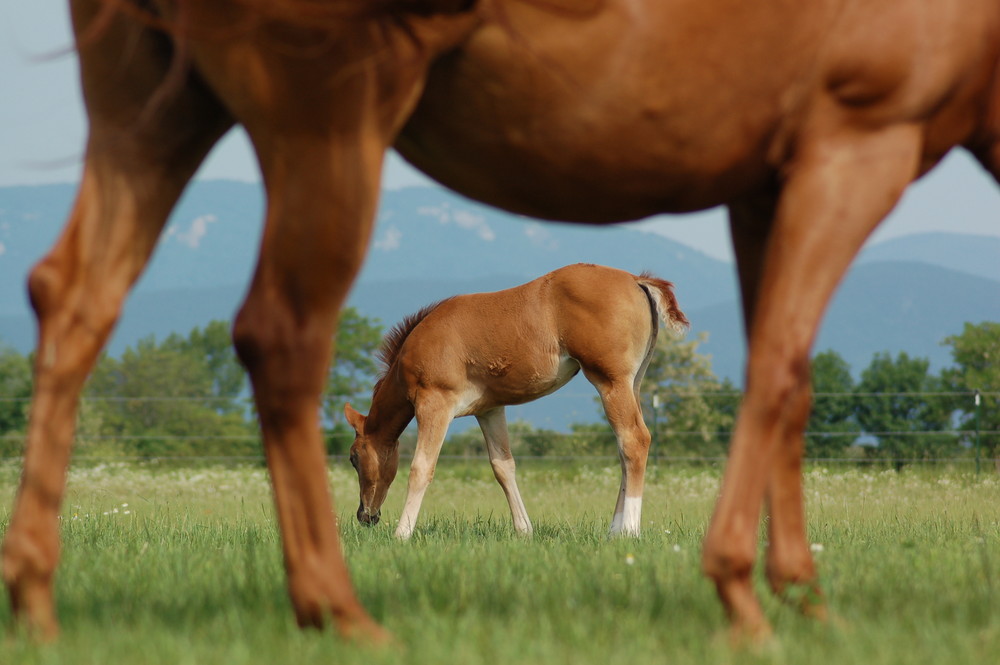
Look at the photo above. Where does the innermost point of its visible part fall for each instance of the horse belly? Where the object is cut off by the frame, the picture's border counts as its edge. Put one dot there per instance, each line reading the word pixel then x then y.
pixel 509 383
pixel 547 128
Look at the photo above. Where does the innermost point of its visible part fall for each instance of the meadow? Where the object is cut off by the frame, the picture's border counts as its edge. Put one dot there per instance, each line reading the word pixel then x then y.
pixel 181 564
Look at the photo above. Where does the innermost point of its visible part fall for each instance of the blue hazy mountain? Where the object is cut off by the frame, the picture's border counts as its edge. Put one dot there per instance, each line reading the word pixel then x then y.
pixel 904 294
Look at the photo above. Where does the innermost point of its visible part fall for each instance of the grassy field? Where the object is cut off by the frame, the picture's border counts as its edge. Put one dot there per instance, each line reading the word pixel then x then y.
pixel 183 565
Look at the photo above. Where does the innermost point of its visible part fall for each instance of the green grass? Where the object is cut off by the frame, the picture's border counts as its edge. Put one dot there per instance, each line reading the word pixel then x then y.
pixel 189 571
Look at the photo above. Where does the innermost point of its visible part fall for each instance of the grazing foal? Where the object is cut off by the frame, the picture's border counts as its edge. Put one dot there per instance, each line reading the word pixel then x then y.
pixel 472 355
pixel 807 120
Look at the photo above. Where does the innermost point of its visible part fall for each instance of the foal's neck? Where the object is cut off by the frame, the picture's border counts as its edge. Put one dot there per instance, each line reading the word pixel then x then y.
pixel 391 411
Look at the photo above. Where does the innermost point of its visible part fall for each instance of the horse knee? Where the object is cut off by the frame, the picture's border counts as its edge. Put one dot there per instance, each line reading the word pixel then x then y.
pixel 47 286
pixel 503 469
pixel 780 384
pixel 269 338
pixel 72 324
pixel 421 473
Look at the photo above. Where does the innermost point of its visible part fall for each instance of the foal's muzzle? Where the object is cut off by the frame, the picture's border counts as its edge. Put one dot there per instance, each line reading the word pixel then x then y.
pixel 367 518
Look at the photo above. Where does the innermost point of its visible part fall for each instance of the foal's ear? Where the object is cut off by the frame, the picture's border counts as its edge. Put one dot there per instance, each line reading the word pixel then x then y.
pixel 354 419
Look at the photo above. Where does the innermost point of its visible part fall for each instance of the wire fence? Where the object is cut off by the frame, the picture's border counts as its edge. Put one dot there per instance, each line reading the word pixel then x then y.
pixel 964 438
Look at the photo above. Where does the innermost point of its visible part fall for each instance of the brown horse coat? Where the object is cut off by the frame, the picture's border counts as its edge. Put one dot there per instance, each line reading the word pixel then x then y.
pixel 807 119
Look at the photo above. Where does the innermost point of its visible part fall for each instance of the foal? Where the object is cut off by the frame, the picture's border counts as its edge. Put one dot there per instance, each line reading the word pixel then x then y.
pixel 475 354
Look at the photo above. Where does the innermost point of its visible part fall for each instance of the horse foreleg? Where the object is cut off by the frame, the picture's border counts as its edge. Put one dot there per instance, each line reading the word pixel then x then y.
pixel 839 190
pixel 321 203
pixel 622 409
pixel 433 418
pixel 137 162
pixel 494 426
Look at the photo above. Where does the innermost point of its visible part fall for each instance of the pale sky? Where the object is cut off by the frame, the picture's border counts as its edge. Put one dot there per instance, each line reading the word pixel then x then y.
pixel 42 135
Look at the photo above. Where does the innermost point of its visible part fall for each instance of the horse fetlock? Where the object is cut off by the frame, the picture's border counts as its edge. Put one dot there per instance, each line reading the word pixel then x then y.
pixel 28 575
pixel 785 570
pixel 319 598
pixel 404 529
pixel 722 560
pixel 24 557
pixel 805 595
pixel 628 522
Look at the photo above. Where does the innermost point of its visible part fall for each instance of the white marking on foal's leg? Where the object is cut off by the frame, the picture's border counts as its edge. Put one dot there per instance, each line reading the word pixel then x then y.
pixel 405 528
pixel 633 514
pixel 411 508
pixel 626 523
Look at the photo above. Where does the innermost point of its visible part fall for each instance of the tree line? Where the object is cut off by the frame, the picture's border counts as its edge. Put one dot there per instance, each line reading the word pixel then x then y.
pixel 188 396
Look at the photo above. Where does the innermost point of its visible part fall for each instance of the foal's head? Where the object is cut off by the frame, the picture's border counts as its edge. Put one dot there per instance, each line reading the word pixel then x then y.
pixel 376 463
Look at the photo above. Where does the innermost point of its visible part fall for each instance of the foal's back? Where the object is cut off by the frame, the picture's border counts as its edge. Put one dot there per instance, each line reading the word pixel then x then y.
pixel 520 343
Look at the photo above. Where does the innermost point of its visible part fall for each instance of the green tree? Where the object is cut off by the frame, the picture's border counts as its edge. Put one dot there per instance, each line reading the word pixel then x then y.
pixel 833 426
pixel 892 409
pixel 212 346
pixel 694 408
pixel 15 391
pixel 179 397
pixel 352 375
pixel 524 440
pixel 976 357
pixel 587 439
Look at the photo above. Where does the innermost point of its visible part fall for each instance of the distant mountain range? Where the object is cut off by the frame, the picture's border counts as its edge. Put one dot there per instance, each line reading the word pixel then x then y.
pixel 905 294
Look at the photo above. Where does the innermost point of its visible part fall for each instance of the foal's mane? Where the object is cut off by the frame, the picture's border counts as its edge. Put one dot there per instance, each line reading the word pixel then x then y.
pixel 394 339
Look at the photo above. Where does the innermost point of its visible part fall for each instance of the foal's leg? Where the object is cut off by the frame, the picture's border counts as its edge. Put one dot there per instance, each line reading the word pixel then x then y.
pixel 842 185
pixel 618 396
pixel 494 426
pixel 433 418
pixel 137 161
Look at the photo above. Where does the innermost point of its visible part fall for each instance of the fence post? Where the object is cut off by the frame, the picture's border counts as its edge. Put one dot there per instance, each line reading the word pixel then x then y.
pixel 978 400
pixel 656 437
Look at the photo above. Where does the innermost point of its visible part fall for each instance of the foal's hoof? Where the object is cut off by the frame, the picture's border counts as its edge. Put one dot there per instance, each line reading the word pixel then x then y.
pixel 807 599
pixel 366 630
pixel 750 637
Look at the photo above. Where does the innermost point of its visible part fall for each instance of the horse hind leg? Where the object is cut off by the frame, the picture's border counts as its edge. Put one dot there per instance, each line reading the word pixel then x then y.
pixel 791 255
pixel 494 427
pixel 133 173
pixel 618 398
pixel 790 569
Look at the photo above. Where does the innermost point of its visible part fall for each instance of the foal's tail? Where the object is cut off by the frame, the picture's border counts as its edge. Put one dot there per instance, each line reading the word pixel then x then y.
pixel 661 294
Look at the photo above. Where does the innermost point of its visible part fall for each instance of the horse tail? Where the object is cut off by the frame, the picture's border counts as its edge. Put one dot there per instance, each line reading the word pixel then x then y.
pixel 664 302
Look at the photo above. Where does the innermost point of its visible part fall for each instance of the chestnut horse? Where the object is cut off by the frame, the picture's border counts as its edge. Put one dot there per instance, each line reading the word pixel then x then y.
pixel 472 355
pixel 807 120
